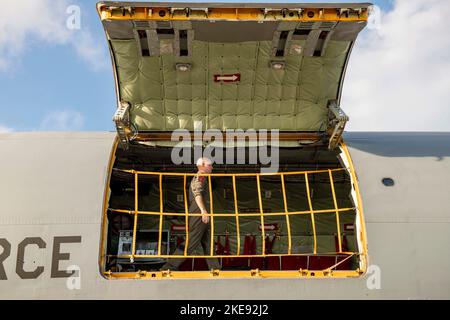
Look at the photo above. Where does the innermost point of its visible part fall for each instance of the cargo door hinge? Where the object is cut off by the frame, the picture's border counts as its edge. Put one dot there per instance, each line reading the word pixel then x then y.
pixel 350 12
pixel 189 11
pixel 337 120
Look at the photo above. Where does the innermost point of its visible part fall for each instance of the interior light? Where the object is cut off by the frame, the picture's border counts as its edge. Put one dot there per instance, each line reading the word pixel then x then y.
pixel 277 65
pixel 183 67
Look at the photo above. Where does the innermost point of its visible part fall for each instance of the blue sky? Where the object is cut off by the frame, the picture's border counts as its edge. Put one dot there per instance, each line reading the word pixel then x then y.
pixel 62 80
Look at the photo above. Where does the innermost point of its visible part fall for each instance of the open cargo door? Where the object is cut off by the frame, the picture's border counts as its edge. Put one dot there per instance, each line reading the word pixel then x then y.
pixel 230 66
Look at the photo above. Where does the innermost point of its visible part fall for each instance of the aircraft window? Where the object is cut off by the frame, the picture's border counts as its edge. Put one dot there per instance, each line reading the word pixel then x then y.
pixel 388 182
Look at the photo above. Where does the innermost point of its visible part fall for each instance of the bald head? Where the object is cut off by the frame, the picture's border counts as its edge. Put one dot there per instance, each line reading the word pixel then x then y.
pixel 204 165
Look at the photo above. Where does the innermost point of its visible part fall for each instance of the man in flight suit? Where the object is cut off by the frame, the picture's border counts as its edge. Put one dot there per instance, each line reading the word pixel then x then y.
pixel 199 228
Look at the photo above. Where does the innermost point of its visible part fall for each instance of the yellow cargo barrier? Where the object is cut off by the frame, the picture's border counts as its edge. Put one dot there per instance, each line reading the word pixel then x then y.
pixel 261 214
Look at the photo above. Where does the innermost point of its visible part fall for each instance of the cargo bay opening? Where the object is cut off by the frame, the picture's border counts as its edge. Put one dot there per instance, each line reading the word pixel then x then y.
pixel 228 67
pixel 303 220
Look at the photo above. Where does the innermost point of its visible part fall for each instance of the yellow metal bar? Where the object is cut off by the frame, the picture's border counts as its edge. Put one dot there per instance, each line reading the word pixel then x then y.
pixel 232 214
pixel 211 212
pixel 337 212
pixel 231 14
pixel 283 188
pixel 136 210
pixel 106 195
pixel 186 213
pixel 162 275
pixel 359 206
pixel 161 214
pixel 312 213
pixel 238 233
pixel 233 256
pixel 261 209
pixel 229 174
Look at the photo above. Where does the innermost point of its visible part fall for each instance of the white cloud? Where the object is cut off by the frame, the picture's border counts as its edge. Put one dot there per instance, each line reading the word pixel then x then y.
pixel 398 77
pixel 65 120
pixel 25 23
pixel 4 129
pixel 91 51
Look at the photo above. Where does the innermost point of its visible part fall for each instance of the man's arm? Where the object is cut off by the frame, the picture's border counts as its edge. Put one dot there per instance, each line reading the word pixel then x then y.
pixel 201 205
pixel 197 189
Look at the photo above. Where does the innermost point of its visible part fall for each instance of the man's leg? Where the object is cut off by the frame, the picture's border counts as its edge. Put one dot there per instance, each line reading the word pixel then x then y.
pixel 196 227
pixel 213 263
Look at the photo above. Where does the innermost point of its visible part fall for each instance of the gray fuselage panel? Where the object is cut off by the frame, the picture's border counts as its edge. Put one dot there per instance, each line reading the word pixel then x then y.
pixel 52 187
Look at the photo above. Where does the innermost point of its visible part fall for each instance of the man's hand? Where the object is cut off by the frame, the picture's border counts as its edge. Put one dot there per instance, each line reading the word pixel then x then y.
pixel 205 218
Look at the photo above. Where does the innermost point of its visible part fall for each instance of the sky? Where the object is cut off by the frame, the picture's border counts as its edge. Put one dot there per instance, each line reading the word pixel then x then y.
pixel 55 78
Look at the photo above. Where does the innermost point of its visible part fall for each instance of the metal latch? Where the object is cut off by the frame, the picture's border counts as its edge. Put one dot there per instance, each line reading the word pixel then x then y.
pixel 122 10
pixel 122 120
pixel 349 12
pixel 188 11
pixel 337 120
pixel 284 12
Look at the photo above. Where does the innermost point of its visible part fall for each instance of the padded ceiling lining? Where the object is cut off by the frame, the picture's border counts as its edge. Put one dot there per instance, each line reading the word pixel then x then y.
pixel 293 99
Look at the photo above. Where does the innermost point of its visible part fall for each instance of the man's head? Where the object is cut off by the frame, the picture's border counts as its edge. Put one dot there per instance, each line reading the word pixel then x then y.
pixel 204 165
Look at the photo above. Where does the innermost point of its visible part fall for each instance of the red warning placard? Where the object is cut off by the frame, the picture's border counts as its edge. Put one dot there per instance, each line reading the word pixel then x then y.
pixel 236 77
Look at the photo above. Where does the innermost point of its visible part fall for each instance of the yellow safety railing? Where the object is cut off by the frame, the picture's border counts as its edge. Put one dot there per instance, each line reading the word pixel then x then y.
pixel 161 215
pixel 186 212
pixel 261 214
pixel 136 212
pixel 236 211
pixel 338 223
pixel 211 211
pixel 288 224
pixel 311 212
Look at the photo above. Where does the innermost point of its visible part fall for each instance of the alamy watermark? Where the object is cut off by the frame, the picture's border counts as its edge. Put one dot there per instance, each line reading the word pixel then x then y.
pixel 373 281
pixel 73 21
pixel 374 21
pixel 74 281
pixel 211 143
